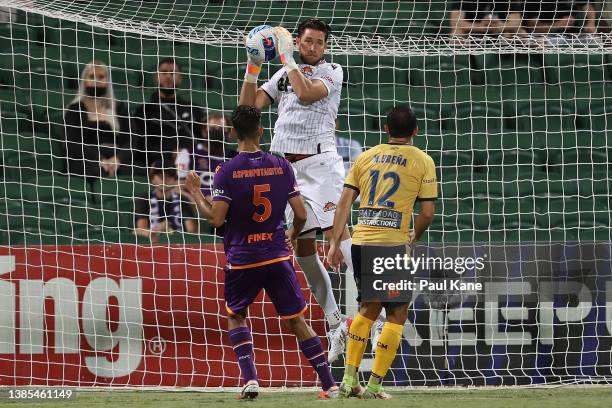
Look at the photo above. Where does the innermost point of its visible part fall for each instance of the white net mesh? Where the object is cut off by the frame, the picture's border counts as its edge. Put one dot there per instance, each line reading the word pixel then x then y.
pixel 517 126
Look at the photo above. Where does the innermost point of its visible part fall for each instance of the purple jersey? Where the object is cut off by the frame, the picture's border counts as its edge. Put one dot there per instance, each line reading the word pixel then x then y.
pixel 257 187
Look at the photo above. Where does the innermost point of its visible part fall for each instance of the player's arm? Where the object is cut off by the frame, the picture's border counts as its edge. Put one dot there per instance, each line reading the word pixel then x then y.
pixel 214 212
pixel 305 89
pixel 343 209
pixel 423 220
pixel 299 216
pixel 249 93
pixel 428 193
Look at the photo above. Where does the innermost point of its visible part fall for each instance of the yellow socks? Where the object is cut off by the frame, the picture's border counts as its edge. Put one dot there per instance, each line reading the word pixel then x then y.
pixel 358 335
pixel 386 349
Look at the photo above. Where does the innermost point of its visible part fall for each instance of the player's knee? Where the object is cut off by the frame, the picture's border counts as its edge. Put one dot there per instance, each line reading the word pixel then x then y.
pixel 295 324
pixel 238 318
pixel 397 314
pixel 370 310
pixel 305 247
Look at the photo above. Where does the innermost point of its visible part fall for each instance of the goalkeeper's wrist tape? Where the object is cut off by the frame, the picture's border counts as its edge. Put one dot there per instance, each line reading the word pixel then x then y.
pixel 288 61
pixel 252 73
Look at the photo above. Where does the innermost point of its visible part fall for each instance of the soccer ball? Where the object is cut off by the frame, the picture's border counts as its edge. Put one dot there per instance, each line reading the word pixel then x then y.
pixel 261 43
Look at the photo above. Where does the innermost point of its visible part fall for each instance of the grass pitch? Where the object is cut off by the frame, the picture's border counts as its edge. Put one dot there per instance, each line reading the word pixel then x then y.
pixel 562 397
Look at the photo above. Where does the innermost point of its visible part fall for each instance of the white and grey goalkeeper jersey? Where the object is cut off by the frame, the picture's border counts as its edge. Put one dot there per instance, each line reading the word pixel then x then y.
pixel 305 128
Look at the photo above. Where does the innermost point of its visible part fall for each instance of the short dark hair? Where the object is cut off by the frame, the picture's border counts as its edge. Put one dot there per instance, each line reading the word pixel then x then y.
pixel 170 60
pixel 315 24
pixel 163 172
pixel 246 120
pixel 401 121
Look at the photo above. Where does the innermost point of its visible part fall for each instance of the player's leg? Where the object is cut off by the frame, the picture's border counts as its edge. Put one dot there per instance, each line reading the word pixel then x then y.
pixel 284 291
pixel 345 246
pixel 320 286
pixel 241 341
pixel 317 278
pixel 240 289
pixel 312 348
pixel 386 349
pixel 358 335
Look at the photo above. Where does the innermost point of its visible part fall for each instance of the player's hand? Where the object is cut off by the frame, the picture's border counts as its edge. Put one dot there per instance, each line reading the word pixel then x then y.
pixel 284 40
pixel 412 238
pixel 193 182
pixel 288 243
pixel 284 47
pixel 290 238
pixel 257 60
pixel 334 256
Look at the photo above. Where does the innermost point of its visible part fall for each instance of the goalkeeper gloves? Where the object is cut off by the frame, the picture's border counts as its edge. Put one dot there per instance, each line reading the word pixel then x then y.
pixel 253 67
pixel 284 47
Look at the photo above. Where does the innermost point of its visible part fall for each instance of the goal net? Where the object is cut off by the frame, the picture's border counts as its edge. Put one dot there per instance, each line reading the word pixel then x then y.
pixel 517 125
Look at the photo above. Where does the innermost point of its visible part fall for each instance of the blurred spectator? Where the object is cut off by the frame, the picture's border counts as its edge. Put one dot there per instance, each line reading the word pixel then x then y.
pixel 478 17
pixel 560 16
pixel 347 148
pixel 215 136
pixel 164 210
pixel 97 137
pixel 209 151
pixel 7 14
pixel 167 122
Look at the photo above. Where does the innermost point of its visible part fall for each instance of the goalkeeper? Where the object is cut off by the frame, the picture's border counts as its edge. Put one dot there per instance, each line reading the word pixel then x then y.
pixel 308 97
pixel 390 177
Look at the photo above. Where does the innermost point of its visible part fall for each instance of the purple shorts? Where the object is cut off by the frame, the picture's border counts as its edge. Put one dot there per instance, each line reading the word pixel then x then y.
pixel 278 279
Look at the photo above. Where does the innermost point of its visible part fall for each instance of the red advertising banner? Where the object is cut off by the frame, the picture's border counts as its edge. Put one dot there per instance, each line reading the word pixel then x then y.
pixel 132 315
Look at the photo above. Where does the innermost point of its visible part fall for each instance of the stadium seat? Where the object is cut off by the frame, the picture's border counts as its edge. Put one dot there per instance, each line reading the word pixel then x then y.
pixel 541 119
pixel 36 77
pixel 440 71
pixel 17 215
pixel 61 189
pixel 454 162
pixel 588 98
pixel 600 185
pixel 231 79
pixel 428 142
pixel 27 143
pixel 511 163
pixel 71 34
pixel 13 100
pixel 531 183
pixel 599 119
pixel 572 164
pixel 506 214
pixel 110 191
pixel 478 118
pixel 428 119
pixel 469 185
pixel 510 70
pixel 575 68
pixel 376 70
pixel 14 122
pixel 46 103
pixel 27 167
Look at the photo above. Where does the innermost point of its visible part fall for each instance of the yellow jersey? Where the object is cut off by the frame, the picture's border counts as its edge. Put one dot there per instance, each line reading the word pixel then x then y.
pixel 390 178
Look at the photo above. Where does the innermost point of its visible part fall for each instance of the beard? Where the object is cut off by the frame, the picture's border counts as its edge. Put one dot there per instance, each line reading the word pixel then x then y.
pixel 309 59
